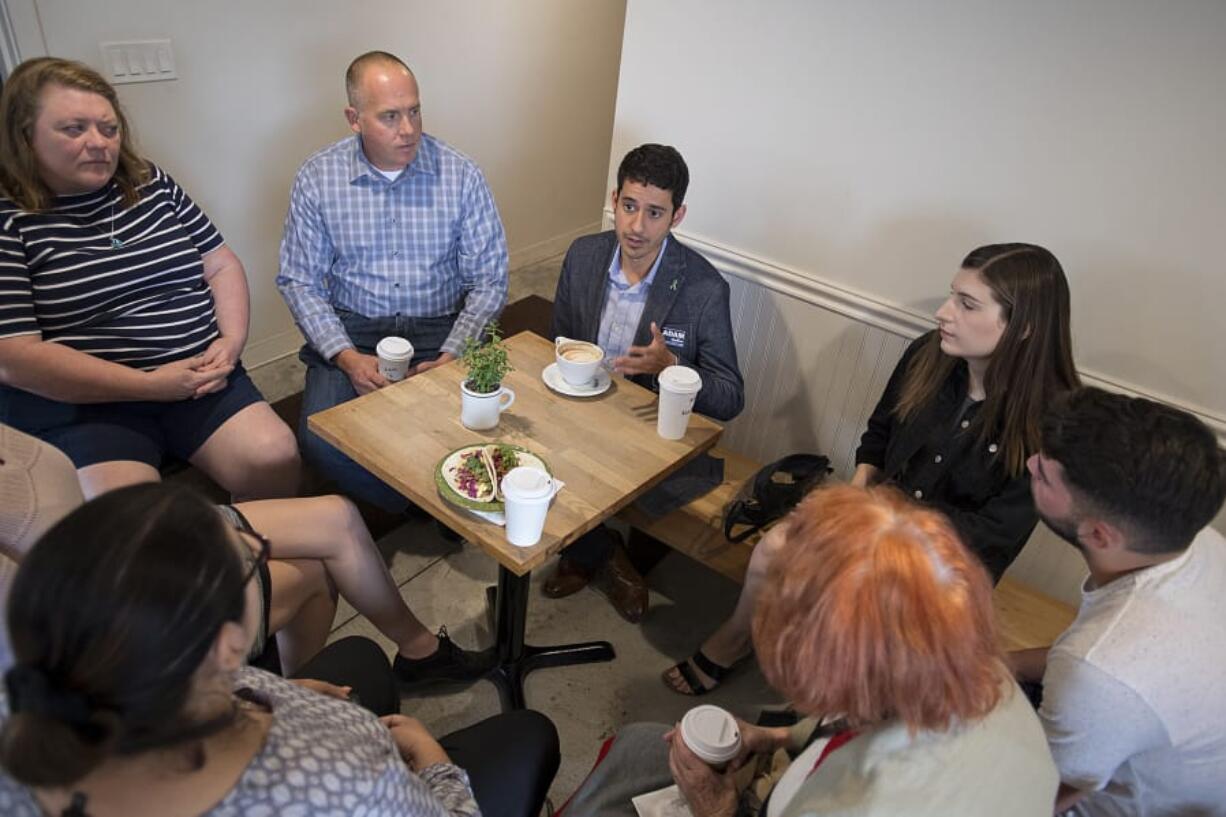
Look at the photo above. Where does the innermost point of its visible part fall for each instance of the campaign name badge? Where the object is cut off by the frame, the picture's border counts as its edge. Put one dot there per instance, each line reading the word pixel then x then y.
pixel 674 337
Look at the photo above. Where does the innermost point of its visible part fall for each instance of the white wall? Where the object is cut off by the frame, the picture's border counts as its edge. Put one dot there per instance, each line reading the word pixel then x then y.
pixel 526 89
pixel 844 157
pixel 871 145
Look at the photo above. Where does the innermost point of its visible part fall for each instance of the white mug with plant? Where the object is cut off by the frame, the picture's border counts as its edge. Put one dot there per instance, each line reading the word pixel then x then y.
pixel 482 396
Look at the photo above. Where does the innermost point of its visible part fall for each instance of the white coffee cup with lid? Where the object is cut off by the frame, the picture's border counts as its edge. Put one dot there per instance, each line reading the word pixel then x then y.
pixel 712 734
pixel 679 387
pixel 394 355
pixel 526 494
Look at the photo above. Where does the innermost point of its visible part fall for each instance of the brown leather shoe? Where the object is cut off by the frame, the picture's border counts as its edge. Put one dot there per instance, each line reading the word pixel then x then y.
pixel 567 578
pixel 627 589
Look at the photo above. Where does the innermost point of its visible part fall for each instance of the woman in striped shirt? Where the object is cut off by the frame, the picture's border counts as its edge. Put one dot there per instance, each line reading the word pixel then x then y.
pixel 122 311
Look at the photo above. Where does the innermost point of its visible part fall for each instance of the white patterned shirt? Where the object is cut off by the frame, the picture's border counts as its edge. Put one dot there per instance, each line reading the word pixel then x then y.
pixel 323 757
pixel 426 244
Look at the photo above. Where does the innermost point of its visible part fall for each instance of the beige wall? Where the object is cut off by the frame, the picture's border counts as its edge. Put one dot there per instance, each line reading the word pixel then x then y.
pixel 524 88
pixel 870 145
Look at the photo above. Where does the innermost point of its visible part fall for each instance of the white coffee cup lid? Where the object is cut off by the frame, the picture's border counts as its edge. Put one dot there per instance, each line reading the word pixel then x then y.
pixel 712 733
pixel 525 482
pixel 393 346
pixel 680 379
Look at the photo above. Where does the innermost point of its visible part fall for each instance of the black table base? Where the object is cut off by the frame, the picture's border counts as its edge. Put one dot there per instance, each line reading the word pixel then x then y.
pixel 513 658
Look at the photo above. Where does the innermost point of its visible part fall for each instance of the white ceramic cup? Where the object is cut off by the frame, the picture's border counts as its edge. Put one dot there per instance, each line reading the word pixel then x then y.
pixel 679 387
pixel 712 734
pixel 526 494
pixel 577 360
pixel 481 411
pixel 394 355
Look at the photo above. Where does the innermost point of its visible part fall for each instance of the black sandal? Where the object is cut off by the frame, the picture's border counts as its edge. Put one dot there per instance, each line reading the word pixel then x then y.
pixel 709 668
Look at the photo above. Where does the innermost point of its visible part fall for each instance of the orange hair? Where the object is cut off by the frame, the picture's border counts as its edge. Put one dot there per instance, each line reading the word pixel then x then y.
pixel 874 609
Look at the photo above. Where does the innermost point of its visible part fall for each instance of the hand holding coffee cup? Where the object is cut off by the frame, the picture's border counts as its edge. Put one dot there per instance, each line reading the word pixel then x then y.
pixel 577 360
pixel 394 355
pixel 712 734
pixel 679 387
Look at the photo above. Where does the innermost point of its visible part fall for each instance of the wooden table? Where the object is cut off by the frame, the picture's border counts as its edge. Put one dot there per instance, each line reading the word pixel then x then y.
pixel 605 449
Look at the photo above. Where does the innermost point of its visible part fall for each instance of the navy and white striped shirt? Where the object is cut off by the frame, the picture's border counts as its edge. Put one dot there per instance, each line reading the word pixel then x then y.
pixel 427 244
pixel 123 284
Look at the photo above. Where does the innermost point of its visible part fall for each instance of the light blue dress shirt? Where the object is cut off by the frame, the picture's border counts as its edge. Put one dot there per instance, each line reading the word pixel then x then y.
pixel 623 306
pixel 427 244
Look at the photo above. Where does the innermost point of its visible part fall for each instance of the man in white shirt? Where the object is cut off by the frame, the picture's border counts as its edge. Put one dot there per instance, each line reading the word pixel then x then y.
pixel 1134 692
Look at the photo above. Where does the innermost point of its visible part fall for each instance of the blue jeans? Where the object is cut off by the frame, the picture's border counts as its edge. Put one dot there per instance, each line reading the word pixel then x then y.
pixel 328 386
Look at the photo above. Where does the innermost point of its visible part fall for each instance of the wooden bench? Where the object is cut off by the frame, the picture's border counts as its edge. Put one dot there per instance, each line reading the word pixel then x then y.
pixel 1026 617
pixel 697 529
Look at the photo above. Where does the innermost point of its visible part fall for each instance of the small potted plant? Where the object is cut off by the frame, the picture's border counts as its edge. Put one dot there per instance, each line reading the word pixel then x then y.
pixel 482 396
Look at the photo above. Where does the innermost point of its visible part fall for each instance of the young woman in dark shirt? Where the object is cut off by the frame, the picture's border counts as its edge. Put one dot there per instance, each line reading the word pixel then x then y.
pixel 954 427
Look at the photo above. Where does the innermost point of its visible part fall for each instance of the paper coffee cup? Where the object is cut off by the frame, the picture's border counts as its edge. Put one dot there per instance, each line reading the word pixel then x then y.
pixel 712 734
pixel 394 355
pixel 526 494
pixel 679 387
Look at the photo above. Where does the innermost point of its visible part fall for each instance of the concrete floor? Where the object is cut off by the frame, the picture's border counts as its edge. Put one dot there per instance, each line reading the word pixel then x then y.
pixel 445 585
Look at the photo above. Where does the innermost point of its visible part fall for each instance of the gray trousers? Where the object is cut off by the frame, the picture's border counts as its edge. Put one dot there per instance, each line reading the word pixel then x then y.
pixel 636 764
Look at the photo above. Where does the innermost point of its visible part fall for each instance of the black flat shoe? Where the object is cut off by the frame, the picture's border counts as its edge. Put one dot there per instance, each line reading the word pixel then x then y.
pixel 450 662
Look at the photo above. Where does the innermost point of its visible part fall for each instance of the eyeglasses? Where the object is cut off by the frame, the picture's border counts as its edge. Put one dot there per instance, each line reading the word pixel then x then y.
pixel 261 555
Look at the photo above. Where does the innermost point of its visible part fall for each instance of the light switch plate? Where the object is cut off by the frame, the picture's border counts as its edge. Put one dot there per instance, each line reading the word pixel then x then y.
pixel 138 61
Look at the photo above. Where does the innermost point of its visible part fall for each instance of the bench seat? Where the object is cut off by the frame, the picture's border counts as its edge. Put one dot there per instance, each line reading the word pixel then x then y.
pixel 1026 617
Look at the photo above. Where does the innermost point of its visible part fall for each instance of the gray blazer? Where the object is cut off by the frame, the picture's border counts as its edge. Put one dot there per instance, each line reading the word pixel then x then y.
pixel 688 301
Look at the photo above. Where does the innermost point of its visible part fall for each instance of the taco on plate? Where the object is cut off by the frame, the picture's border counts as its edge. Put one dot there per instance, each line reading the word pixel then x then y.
pixel 475 472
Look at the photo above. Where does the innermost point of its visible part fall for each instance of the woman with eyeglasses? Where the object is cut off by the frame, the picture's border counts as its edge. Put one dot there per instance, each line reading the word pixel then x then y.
pixel 131 620
pixel 319 549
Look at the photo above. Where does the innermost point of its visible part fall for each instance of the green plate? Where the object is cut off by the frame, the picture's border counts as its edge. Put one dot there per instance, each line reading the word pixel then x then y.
pixel 456 498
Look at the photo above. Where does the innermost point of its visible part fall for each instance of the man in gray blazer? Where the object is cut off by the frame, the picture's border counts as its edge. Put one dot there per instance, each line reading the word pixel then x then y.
pixel 650 302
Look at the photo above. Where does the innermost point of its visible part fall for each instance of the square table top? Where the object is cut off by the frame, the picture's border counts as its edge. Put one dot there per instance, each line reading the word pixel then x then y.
pixel 605 448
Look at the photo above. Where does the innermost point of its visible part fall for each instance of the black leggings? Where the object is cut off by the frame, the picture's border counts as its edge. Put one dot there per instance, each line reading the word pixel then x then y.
pixel 510 758
pixel 359 663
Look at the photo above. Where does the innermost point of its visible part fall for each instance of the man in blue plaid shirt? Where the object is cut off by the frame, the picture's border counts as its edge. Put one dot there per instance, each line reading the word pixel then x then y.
pixel 389 232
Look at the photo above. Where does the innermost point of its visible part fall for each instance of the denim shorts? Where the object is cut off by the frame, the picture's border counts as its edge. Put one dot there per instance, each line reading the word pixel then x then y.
pixel 145 431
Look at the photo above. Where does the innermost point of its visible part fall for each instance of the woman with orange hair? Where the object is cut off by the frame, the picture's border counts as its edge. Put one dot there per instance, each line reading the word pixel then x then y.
pixel 881 623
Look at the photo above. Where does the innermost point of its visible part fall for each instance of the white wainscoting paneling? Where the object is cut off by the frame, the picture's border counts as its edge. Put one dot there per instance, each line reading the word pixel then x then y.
pixel 816 357
pixel 813 377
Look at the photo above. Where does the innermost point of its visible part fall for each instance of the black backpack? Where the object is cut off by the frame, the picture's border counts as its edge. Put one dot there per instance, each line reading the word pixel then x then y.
pixel 774 490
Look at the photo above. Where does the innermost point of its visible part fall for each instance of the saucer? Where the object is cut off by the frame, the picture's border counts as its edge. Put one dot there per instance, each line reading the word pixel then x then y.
pixel 554 380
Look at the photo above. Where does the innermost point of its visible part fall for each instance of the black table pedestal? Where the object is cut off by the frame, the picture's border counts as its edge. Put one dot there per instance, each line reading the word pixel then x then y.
pixel 515 659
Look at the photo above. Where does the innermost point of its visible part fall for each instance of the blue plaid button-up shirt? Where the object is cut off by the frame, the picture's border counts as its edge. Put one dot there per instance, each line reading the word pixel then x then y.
pixel 429 243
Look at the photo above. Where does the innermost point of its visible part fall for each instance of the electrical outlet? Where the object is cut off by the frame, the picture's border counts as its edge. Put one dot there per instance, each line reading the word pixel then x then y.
pixel 138 61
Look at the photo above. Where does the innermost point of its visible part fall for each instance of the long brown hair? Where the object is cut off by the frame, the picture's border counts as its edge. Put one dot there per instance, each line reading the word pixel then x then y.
pixel 1032 362
pixel 20 99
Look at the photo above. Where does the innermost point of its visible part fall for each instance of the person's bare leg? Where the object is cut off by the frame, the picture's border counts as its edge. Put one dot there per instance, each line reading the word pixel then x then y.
pixel 733 640
pixel 253 455
pixel 329 528
pixel 301 610
pixel 101 477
